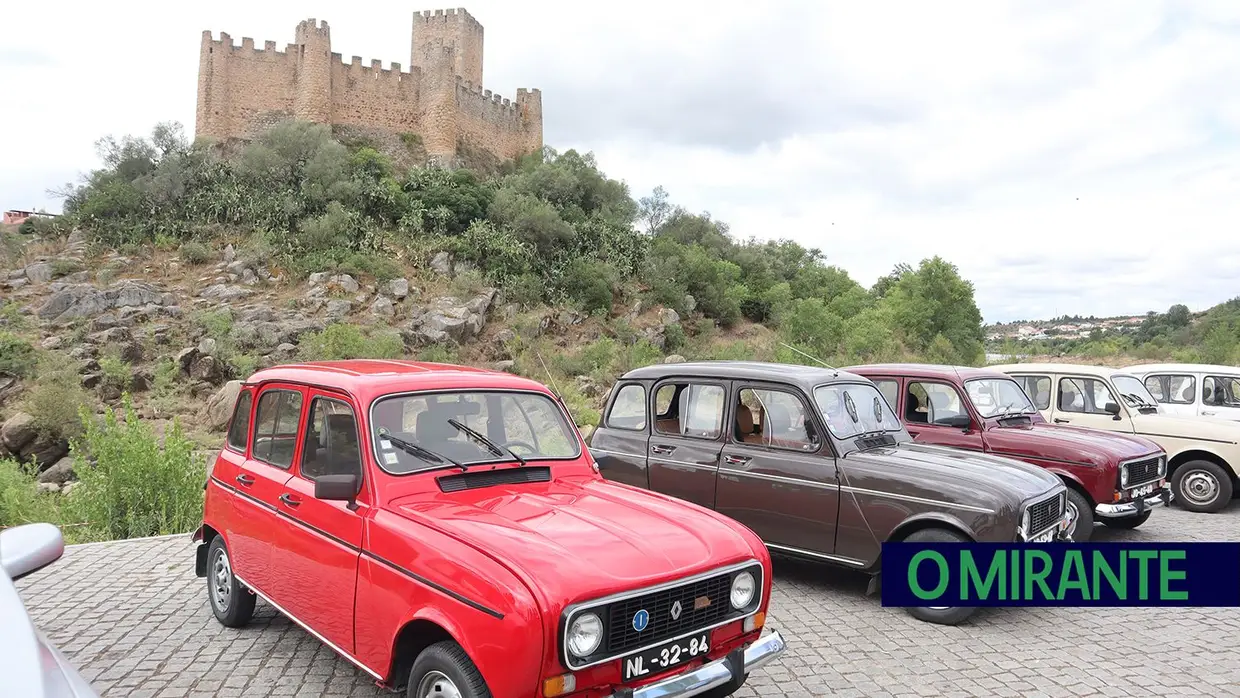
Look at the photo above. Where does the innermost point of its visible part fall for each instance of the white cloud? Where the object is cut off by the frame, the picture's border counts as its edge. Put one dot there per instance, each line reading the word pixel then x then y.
pixel 1070 158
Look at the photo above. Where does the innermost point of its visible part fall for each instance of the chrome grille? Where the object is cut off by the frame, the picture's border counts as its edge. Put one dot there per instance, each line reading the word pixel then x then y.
pixel 1142 471
pixel 1044 514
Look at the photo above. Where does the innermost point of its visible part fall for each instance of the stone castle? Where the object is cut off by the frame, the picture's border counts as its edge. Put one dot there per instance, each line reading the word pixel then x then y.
pixel 243 90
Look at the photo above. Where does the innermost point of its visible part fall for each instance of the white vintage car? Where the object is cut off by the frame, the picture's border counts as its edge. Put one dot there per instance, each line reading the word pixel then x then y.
pixel 1193 390
pixel 1203 452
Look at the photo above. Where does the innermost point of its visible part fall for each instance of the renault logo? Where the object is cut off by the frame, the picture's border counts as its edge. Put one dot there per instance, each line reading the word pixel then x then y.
pixel 676 611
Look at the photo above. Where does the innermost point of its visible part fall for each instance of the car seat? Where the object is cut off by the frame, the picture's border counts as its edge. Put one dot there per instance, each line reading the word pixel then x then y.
pixel 911 413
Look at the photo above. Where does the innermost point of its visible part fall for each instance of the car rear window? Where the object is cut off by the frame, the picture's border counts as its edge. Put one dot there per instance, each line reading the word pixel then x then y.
pixel 239 428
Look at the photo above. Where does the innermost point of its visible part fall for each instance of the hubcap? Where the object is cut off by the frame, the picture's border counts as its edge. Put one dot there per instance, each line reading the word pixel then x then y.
pixel 437 685
pixel 1073 515
pixel 1200 487
pixel 221 582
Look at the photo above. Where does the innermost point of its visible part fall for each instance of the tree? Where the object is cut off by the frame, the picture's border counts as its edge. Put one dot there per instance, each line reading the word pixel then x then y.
pixel 935 301
pixel 654 210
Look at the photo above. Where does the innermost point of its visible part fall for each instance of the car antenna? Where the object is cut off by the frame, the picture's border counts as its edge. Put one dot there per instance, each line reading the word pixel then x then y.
pixel 550 380
pixel 813 358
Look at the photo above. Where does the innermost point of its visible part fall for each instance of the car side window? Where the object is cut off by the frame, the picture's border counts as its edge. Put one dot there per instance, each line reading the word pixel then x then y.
pixel 276 422
pixel 1084 395
pixel 1220 391
pixel 890 390
pixel 689 409
pixel 928 403
pixel 331 441
pixel 1038 388
pixel 773 418
pixel 1154 384
pixel 239 426
pixel 1177 390
pixel 628 410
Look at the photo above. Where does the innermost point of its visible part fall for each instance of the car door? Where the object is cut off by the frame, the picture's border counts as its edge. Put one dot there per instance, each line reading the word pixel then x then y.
pixel 1220 396
pixel 1081 401
pixel 1176 393
pixel 316 559
pixel 619 444
pixel 687 438
pixel 260 483
pixel 777 475
pixel 1040 388
pixel 934 402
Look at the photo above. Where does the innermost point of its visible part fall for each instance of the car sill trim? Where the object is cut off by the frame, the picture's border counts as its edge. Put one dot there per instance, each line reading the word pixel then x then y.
pixel 919 500
pixel 354 660
pixel 821 556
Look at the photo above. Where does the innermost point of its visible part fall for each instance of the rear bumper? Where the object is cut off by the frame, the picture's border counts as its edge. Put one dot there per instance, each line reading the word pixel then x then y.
pixel 1136 507
pixel 736 665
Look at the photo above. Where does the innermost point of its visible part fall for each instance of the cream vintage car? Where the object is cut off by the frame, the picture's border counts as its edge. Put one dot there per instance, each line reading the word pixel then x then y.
pixel 1193 390
pixel 1203 453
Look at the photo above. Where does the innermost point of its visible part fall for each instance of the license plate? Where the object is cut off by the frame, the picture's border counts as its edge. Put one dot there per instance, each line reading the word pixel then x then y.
pixel 1046 537
pixel 664 657
pixel 1141 491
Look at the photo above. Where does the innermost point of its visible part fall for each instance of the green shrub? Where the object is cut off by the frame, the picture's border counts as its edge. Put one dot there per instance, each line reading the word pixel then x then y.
pixel 17 355
pixel 439 354
pixel 194 253
pixel 116 372
pixel 20 499
pixel 136 485
pixel 590 284
pixel 63 266
pixel 56 399
pixel 341 341
pixel 674 337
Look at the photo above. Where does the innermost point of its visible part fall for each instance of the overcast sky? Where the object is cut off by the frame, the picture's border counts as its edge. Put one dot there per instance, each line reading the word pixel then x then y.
pixel 1069 157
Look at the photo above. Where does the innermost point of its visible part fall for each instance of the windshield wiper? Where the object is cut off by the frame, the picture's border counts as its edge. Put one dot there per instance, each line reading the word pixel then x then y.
pixel 420 451
pixel 1137 400
pixel 497 450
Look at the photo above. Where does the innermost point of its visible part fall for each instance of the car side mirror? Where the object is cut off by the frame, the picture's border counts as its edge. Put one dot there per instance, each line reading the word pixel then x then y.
pixel 1112 408
pixel 959 421
pixel 30 548
pixel 342 488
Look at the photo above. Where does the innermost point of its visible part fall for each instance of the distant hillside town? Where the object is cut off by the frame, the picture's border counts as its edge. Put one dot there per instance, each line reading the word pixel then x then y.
pixel 1063 328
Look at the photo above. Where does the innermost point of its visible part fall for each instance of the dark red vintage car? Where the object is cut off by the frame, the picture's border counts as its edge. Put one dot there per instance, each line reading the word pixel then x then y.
pixel 1112 478
pixel 445 529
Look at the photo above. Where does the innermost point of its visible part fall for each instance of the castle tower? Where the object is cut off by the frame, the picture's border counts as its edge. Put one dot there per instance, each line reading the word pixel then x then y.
pixel 212 117
pixel 530 104
pixel 312 99
pixel 448 29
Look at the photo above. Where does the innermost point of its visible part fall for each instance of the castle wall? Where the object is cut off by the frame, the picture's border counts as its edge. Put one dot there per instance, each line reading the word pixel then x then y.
pixel 374 97
pixel 242 90
pixel 493 123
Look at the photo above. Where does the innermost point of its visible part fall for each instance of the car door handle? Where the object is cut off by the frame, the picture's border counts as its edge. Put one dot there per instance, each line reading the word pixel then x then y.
pixel 1209 414
pixel 662 450
pixel 1060 421
pixel 289 500
pixel 735 460
pixel 245 480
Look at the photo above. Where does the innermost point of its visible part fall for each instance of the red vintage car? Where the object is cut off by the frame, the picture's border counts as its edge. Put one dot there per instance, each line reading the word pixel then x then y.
pixel 445 529
pixel 1114 479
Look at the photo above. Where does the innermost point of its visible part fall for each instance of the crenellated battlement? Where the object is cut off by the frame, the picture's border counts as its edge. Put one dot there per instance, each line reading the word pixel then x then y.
pixel 244 89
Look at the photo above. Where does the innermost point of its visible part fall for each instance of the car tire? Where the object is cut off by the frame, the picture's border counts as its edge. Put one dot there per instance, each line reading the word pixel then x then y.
pixel 232 603
pixel 443 669
pixel 1127 522
pixel 939 616
pixel 1201 486
pixel 1082 527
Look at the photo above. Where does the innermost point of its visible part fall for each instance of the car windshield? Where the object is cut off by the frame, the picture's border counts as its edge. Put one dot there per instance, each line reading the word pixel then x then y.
pixel 430 430
pixel 992 397
pixel 1133 390
pixel 853 409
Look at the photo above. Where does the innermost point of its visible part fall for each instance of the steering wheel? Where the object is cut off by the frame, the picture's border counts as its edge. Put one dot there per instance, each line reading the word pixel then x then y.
pixel 520 444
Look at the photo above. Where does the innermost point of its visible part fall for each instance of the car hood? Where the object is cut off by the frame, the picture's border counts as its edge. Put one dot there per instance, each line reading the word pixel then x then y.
pixel 1186 427
pixel 1066 443
pixel 962 473
pixel 582 538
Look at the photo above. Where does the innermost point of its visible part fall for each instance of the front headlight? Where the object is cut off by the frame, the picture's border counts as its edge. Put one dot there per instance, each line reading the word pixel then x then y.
pixel 1123 476
pixel 1162 467
pixel 585 635
pixel 743 588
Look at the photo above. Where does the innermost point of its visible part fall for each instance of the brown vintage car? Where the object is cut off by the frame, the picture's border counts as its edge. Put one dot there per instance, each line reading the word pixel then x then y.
pixel 814 461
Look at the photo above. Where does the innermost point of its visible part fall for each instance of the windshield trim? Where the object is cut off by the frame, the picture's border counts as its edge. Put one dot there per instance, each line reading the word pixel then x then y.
pixel 1111 384
pixel 372 437
pixel 1033 407
pixel 868 384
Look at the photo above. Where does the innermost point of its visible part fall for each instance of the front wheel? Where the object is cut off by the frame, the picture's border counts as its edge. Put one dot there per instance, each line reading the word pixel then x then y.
pixel 1127 522
pixel 232 604
pixel 931 614
pixel 443 670
pixel 1201 486
pixel 1080 517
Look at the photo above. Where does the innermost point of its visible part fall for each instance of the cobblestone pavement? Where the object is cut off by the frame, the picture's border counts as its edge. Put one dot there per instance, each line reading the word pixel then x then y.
pixel 134 619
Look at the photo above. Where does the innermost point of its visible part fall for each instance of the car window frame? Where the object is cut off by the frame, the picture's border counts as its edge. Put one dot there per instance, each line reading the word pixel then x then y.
pixel 730 416
pixel 1166 378
pixel 962 399
pixel 1050 389
pixel 246 393
pixel 297 438
pixel 305 428
pixel 652 402
pixel 372 439
pixel 1106 383
pixel 899 391
pixel 648 418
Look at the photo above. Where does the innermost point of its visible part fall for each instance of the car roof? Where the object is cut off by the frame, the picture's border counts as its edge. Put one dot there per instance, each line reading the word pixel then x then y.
pixel 804 376
pixel 1191 368
pixel 1079 369
pixel 371 377
pixel 942 371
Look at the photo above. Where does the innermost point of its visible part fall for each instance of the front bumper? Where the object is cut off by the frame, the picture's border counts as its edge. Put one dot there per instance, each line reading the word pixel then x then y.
pixel 1136 507
pixel 737 664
